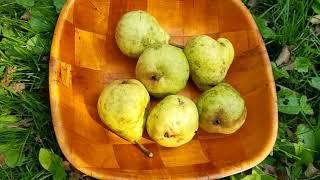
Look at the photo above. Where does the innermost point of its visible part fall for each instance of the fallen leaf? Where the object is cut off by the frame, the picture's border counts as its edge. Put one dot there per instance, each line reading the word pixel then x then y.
pixel 2 160
pixel 39 25
pixel 25 123
pixel 315 82
pixel 315 19
pixel 7 76
pixel 52 163
pixel 288 67
pixel 268 169
pixel 305 106
pixel 14 158
pixel 306 136
pixel 302 64
pixel 11 70
pixel 279 72
pixel 288 101
pixel 38 44
pixel 66 165
pixel 26 16
pixel 311 171
pixel 317 30
pixel 74 175
pixel 290 134
pixel 253 3
pixel 38 139
pixel 266 32
pixel 18 87
pixel 284 56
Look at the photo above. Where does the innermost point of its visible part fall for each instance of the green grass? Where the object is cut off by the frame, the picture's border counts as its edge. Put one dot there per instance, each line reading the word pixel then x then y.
pixel 25 125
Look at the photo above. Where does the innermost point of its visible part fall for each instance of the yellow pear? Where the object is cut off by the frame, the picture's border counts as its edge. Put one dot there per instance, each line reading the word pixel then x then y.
pixel 173 121
pixel 138 30
pixel 209 60
pixel 122 107
pixel 221 109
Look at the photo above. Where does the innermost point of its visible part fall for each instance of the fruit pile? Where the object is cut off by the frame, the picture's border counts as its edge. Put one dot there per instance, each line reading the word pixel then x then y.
pixel 162 71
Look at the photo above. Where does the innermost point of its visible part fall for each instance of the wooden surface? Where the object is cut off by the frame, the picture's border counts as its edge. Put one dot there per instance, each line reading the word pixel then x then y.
pixel 84 58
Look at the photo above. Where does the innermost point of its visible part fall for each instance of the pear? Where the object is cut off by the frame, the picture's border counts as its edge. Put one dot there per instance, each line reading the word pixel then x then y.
pixel 163 69
pixel 122 107
pixel 173 121
pixel 138 30
pixel 209 60
pixel 221 109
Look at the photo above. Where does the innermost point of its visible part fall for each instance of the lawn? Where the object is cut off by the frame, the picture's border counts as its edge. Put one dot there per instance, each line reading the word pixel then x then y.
pixel 28 149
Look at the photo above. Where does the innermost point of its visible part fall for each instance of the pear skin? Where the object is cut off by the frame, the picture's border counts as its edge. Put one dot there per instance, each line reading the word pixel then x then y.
pixel 138 30
pixel 163 69
pixel 209 60
pixel 122 107
pixel 221 109
pixel 173 121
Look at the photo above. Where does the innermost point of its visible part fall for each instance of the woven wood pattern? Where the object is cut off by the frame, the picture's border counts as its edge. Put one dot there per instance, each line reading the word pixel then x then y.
pixel 84 58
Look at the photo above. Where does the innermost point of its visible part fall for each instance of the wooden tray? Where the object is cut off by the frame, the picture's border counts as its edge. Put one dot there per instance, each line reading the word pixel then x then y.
pixel 84 58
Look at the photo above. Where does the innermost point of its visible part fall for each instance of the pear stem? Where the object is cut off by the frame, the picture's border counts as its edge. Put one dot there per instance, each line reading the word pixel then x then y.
pixel 145 151
pixel 176 45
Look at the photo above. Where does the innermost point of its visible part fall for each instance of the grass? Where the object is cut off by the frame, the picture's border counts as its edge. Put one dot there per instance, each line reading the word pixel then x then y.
pixel 25 125
pixel 24 49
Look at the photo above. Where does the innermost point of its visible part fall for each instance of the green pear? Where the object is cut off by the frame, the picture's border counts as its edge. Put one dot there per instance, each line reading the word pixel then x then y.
pixel 221 109
pixel 122 107
pixel 138 30
pixel 173 121
pixel 209 60
pixel 163 69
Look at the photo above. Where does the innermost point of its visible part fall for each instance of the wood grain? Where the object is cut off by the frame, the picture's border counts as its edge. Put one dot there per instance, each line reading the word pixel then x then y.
pixel 85 58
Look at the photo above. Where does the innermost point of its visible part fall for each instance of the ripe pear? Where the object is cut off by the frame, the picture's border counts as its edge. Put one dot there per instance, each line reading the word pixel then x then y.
pixel 138 30
pixel 173 121
pixel 209 60
pixel 221 109
pixel 163 69
pixel 122 107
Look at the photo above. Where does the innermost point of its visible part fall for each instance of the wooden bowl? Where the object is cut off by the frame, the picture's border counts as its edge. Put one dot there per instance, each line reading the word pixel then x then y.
pixel 85 58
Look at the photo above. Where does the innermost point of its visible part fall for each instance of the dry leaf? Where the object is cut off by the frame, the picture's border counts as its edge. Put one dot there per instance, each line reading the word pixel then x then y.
pixel 284 56
pixel 26 16
pixel 291 135
pixel 7 76
pixel 315 19
pixel 311 171
pixel 253 3
pixel 270 170
pixel 38 140
pixel 289 67
pixel 11 70
pixel 25 123
pixel 18 87
pixel 66 166
pixel 74 175
pixel 317 30
pixel 2 160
